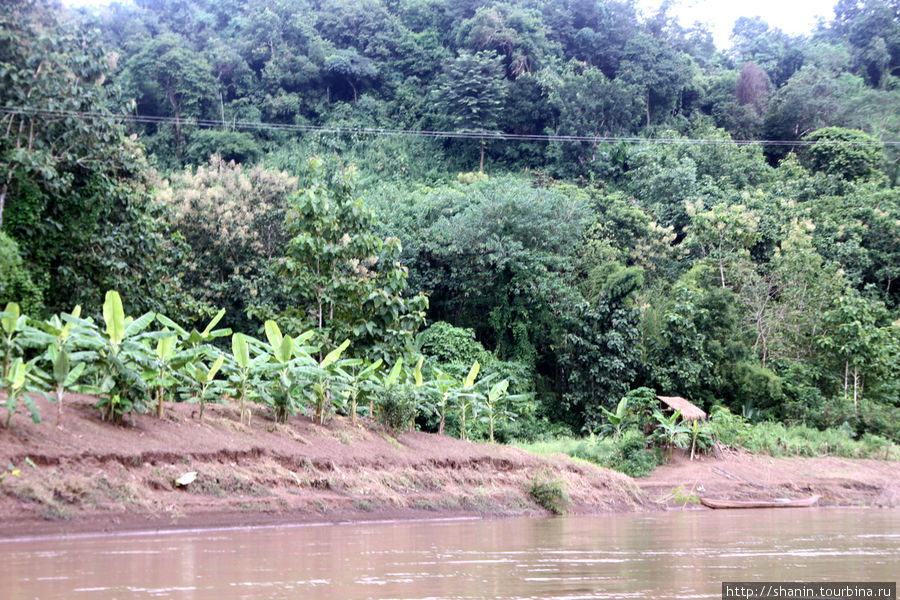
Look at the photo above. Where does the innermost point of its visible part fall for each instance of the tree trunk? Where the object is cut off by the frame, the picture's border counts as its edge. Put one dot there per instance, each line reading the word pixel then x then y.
pixel 59 403
pixel 481 162
pixel 855 389
pixel 648 108
pixel 3 190
pixel 2 202
pixel 846 377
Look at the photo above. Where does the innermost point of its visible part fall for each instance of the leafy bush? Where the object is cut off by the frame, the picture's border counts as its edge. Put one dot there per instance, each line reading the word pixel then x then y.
pixel 628 454
pixel 550 492
pixel 397 407
pixel 449 344
pixel 635 460
pixel 728 428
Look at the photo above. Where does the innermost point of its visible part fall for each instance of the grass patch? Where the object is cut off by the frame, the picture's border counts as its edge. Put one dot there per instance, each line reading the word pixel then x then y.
pixel 550 493
pixel 363 505
pixel 392 441
pixel 799 440
pixel 628 455
pixel 778 439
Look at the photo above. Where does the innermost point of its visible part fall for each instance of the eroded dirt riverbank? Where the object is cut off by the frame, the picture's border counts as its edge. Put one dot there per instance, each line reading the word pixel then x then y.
pixel 96 477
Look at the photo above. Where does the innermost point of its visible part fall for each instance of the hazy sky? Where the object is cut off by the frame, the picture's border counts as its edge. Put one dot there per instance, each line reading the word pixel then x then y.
pixel 791 16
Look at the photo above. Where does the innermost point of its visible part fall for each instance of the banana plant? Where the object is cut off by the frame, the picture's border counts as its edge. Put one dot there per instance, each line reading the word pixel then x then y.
pixel 421 392
pixel 65 376
pixel 284 355
pixel 16 384
pixel 443 385
pixel 375 383
pixel 323 375
pixel 494 396
pixel 616 422
pixel 355 379
pixel 67 366
pixel 167 358
pixel 12 324
pixel 203 380
pixel 242 370
pixel 466 399
pixel 670 432
pixel 194 338
pixel 121 356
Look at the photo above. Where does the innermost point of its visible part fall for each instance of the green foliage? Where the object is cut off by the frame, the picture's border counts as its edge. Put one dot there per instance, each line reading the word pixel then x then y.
pixel 641 403
pixel 628 454
pixel 71 181
pixel 233 146
pixel 470 93
pixel 846 153
pixel 616 422
pixel 17 386
pixel 720 271
pixel 671 432
pixel 777 439
pixel 449 344
pixel 232 219
pixel 728 428
pixel 397 407
pixel 349 283
pixel 550 492
pixel 169 78
pixel 200 379
pixel 16 283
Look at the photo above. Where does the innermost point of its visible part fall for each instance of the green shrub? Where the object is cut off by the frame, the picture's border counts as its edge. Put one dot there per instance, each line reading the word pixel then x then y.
pixel 628 455
pixel 634 459
pixel 728 428
pixel 449 344
pixel 778 439
pixel 550 493
pixel 397 407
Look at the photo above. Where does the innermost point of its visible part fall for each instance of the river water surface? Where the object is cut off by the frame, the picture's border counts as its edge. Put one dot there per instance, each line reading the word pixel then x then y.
pixel 659 555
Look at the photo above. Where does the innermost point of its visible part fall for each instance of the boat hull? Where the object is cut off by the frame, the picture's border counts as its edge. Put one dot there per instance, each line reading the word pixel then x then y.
pixel 799 503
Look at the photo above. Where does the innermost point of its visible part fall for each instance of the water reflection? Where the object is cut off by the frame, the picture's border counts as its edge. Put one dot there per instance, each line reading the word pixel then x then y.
pixel 660 555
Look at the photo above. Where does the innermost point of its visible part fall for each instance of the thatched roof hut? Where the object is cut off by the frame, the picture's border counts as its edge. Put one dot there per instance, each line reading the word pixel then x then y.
pixel 689 412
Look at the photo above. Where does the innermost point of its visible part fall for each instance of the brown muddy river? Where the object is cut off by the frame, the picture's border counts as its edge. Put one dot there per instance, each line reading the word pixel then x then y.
pixel 675 555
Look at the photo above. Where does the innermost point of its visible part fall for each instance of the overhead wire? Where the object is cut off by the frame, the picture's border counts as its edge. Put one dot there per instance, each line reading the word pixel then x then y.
pixel 422 133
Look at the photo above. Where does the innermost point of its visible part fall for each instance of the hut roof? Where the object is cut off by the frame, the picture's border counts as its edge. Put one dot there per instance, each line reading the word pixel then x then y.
pixel 689 412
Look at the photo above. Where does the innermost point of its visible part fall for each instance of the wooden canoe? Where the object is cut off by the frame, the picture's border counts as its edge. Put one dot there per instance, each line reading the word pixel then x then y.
pixel 777 503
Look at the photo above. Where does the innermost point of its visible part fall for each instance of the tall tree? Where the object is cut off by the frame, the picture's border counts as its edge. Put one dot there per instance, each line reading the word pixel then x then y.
pixel 168 78
pixel 73 192
pixel 471 92
pixel 349 282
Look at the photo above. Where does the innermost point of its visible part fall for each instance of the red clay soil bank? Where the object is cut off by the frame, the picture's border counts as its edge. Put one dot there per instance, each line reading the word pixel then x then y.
pixel 93 476
pixel 744 476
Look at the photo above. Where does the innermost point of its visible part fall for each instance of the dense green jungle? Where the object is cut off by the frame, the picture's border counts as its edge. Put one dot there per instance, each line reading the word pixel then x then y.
pixel 587 202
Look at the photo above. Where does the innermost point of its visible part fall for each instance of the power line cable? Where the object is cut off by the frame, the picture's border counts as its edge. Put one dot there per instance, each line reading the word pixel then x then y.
pixel 478 135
